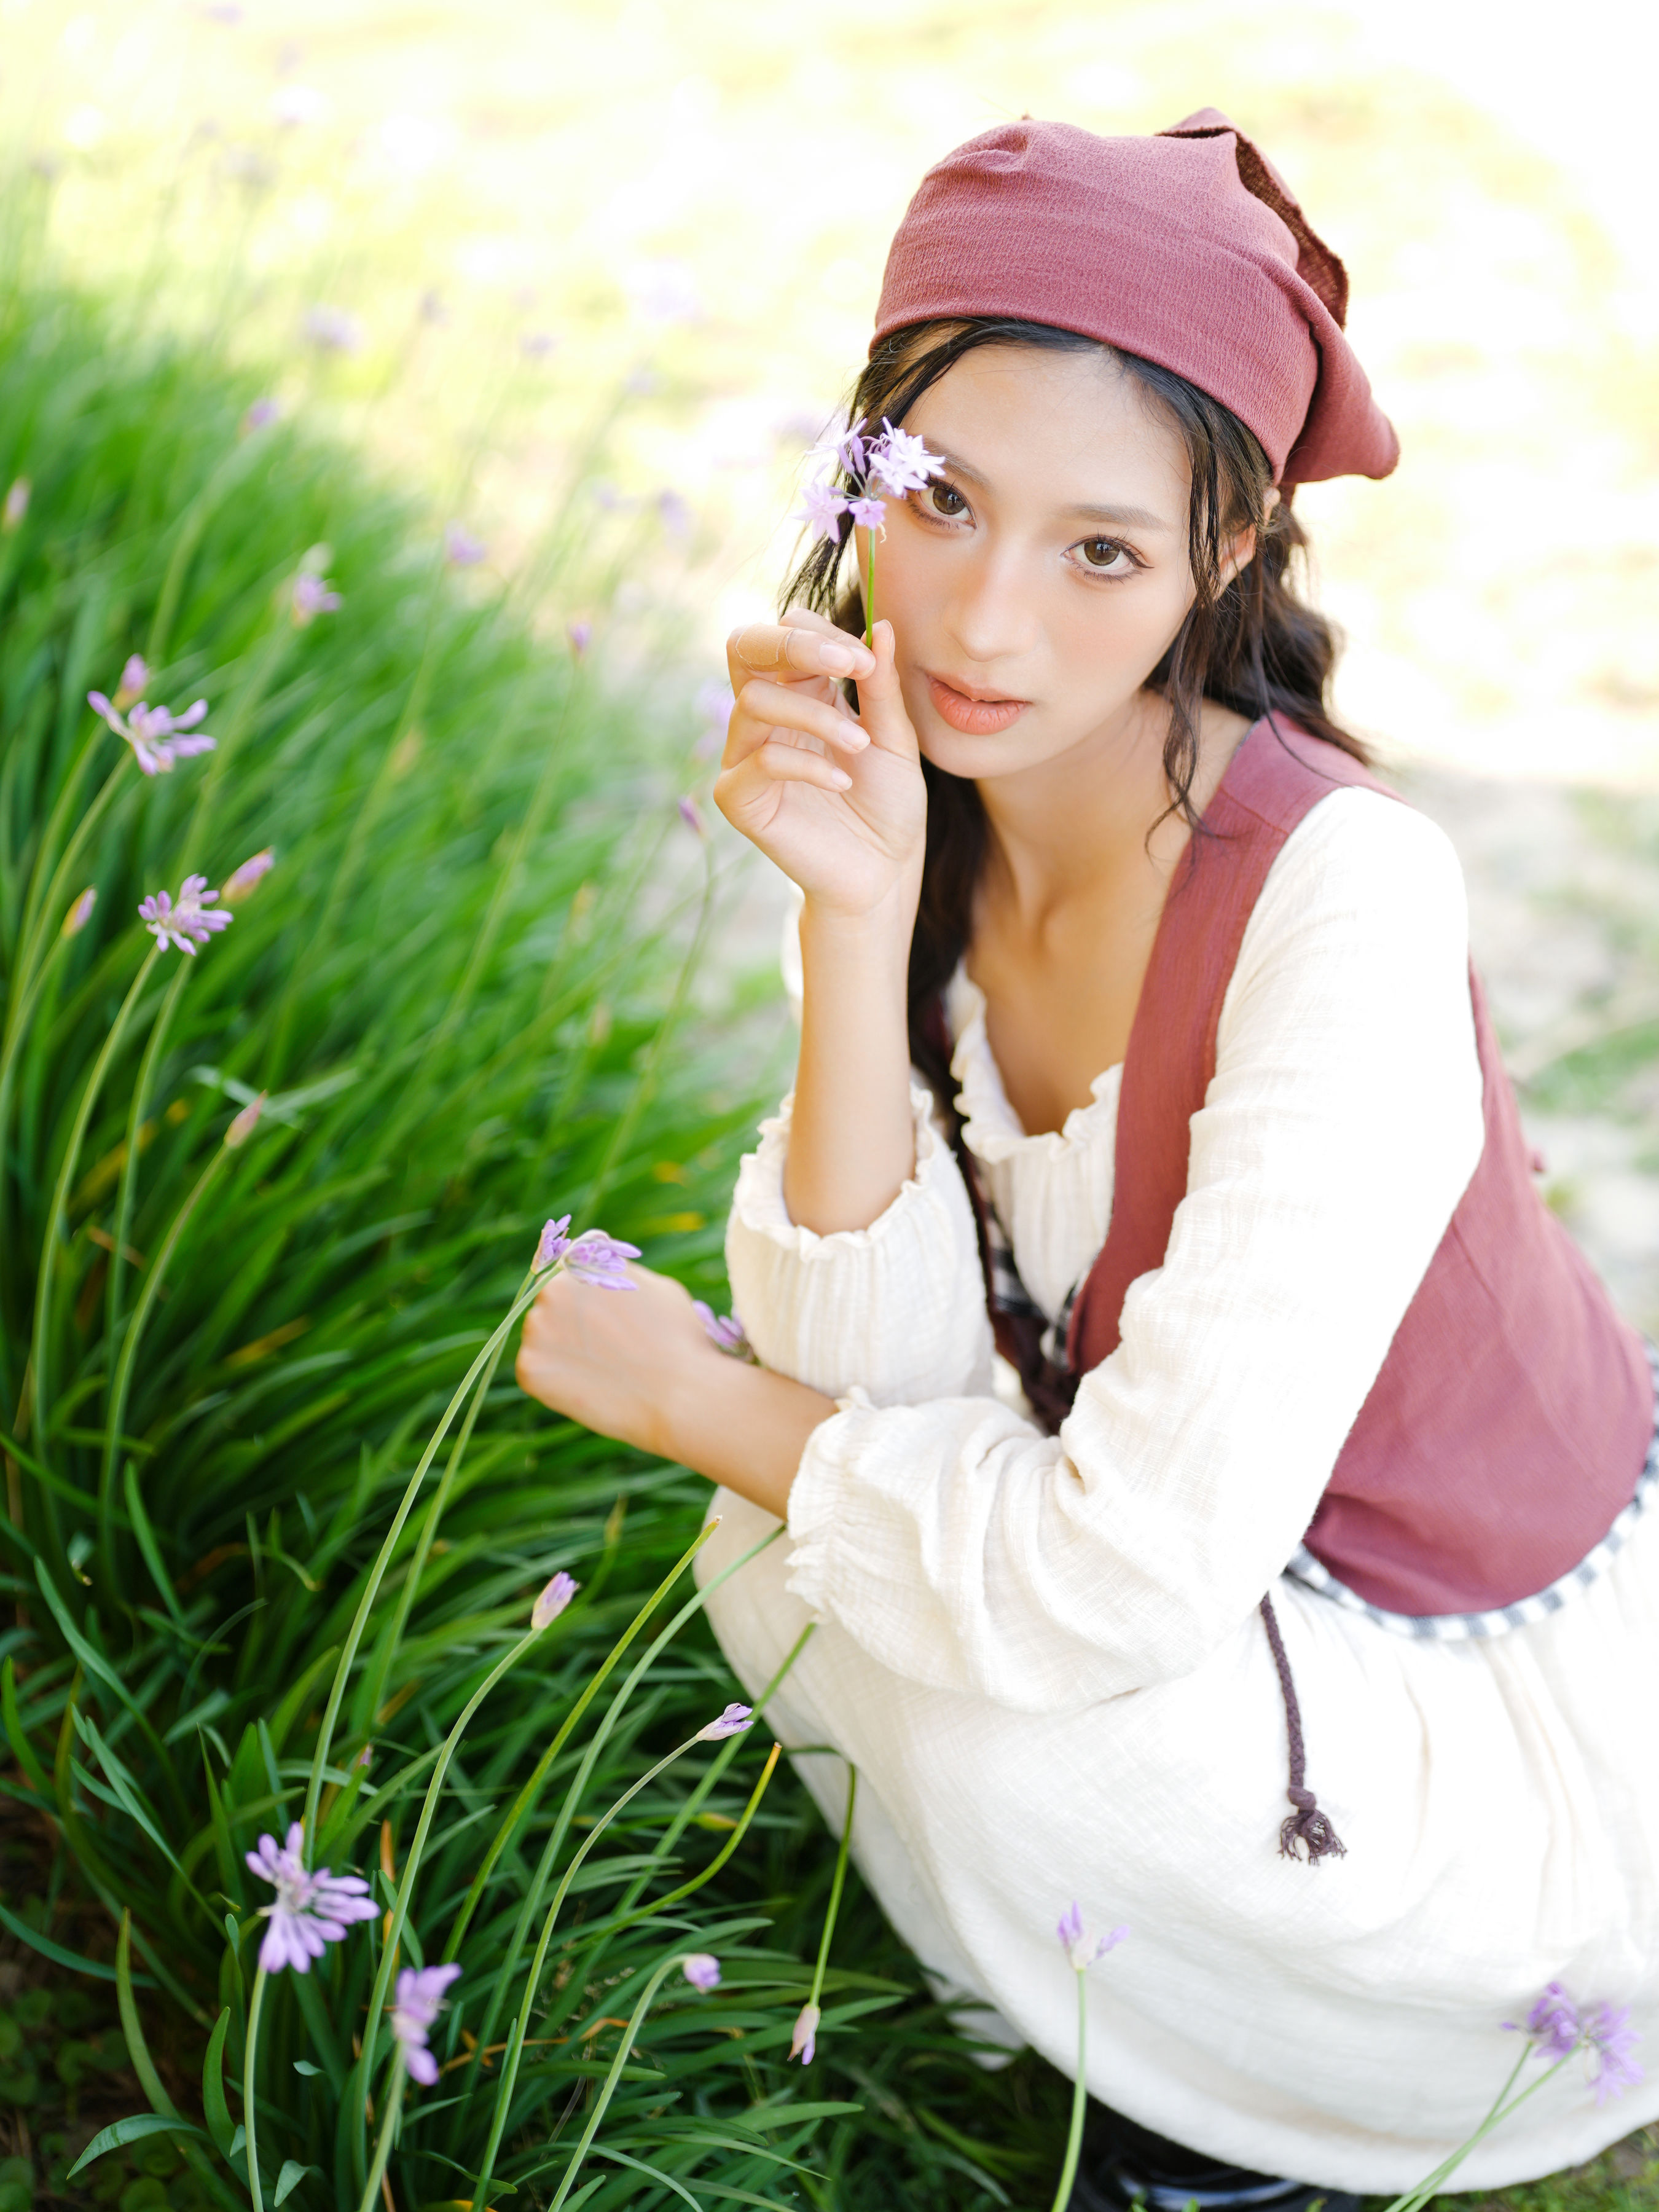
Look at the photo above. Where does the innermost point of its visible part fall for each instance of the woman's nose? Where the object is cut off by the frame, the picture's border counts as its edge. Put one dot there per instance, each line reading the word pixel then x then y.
pixel 991 614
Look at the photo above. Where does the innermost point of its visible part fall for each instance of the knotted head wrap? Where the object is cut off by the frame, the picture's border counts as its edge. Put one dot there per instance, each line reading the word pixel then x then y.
pixel 1187 249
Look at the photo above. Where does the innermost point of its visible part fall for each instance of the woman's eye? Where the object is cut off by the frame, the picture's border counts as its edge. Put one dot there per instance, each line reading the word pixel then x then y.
pixel 1104 553
pixel 945 500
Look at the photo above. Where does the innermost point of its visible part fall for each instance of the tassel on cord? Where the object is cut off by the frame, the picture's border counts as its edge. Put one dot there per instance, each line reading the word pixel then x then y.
pixel 1307 1825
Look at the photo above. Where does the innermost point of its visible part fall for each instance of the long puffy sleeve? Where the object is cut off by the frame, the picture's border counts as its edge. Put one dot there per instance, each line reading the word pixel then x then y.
pixel 895 1310
pixel 965 1550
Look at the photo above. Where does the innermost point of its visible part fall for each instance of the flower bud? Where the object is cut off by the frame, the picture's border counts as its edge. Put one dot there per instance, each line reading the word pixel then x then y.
pixel 245 1124
pixel 804 2041
pixel 732 1721
pixel 243 882
pixel 703 1970
pixel 15 505
pixel 553 1599
pixel 81 913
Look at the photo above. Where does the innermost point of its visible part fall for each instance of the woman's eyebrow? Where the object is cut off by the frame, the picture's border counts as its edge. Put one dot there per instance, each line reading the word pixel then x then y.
pixel 1119 517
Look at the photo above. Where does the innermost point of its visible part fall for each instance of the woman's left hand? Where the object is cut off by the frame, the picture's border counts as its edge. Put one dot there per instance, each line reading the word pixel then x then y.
pixel 617 1361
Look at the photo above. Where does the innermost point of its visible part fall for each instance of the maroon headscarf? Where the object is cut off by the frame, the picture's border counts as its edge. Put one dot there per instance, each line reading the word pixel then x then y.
pixel 1187 248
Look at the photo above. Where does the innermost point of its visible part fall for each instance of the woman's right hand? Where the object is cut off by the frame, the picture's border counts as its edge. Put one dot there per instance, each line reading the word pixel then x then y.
pixel 835 799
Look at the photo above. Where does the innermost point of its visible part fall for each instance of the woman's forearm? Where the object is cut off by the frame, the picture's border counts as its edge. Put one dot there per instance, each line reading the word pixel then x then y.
pixel 851 1142
pixel 743 1427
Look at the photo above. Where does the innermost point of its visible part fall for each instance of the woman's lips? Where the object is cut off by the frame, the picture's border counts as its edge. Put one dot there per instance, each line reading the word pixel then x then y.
pixel 975 717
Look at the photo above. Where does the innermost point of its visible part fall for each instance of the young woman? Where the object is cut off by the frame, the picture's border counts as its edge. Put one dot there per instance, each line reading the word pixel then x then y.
pixel 1131 999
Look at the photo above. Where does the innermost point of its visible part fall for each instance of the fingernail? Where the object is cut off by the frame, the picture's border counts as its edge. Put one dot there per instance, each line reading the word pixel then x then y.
pixel 841 782
pixel 837 659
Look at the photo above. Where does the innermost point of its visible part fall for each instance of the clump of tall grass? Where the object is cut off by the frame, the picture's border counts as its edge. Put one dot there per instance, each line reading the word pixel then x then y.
pixel 268 1205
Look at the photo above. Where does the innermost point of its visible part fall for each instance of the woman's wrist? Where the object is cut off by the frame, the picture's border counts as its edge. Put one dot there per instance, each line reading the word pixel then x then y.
pixel 741 1426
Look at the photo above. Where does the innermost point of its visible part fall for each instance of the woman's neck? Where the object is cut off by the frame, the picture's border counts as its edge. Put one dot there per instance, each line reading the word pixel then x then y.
pixel 1069 832
pixel 1080 857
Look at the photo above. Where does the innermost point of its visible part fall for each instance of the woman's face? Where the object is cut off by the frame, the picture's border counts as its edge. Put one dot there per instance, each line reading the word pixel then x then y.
pixel 1037 580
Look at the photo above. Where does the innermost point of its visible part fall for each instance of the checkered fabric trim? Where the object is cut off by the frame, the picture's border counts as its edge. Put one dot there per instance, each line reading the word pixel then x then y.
pixel 1009 1295
pixel 1466 1627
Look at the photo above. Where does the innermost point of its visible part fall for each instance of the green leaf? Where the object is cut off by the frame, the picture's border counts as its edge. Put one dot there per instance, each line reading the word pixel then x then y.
pixel 137 2050
pixel 57 1954
pixel 304 2066
pixel 22 1749
pixel 290 2179
pixel 221 2127
pixel 133 2130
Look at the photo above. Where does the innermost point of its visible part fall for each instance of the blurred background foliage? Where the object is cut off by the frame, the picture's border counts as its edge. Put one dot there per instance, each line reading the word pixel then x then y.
pixel 550 302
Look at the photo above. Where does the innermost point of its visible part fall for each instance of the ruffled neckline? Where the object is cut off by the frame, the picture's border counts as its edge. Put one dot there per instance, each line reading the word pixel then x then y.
pixel 991 1129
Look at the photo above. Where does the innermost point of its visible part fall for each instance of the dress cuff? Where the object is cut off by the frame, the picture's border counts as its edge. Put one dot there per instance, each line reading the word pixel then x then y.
pixel 897 1307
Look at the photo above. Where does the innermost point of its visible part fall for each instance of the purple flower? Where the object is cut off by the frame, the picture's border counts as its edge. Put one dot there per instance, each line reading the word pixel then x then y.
pixel 461 549
pixel 726 1330
pixel 580 635
pixel 188 924
pixel 732 1721
pixel 901 460
pixel 330 330
pixel 311 1910
pixel 820 510
pixel 675 516
pixel 703 1970
pixel 135 681
pixel 1607 2031
pixel 156 736
pixel 312 597
pixel 243 882
pixel 432 309
pixel 869 512
pixel 804 2041
pixel 15 505
pixel 553 1599
pixel 849 449
pixel 80 913
pixel 1074 1939
pixel 600 1260
pixel 261 415
pixel 536 345
pixel 713 704
pixel 691 814
pixel 1552 2024
pixel 246 1123
pixel 420 2000
pixel 553 1242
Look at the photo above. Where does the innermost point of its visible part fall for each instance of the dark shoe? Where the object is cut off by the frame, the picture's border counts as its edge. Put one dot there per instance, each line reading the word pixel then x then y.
pixel 1132 2170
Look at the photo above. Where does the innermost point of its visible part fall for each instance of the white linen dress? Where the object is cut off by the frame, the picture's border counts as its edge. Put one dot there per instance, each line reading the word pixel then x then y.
pixel 1044 1654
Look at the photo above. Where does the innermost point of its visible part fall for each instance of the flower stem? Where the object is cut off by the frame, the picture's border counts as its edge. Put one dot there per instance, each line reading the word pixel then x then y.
pixel 256 2000
pixel 611 2079
pixel 1502 2106
pixel 870 596
pixel 1079 2101
pixel 394 2095
pixel 835 1886
pixel 94 1084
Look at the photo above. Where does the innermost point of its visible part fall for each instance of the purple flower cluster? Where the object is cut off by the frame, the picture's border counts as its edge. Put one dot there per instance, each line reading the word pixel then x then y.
pixel 157 736
pixel 723 1330
pixel 311 1911
pixel 703 1970
pixel 312 595
pixel 592 1257
pixel 1557 2026
pixel 874 470
pixel 420 2000
pixel 188 923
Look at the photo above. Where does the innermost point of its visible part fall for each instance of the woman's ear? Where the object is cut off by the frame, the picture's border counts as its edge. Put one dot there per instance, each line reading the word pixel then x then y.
pixel 1240 549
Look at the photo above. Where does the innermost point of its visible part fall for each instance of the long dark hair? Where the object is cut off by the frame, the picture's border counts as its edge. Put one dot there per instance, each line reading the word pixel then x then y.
pixel 1249 644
